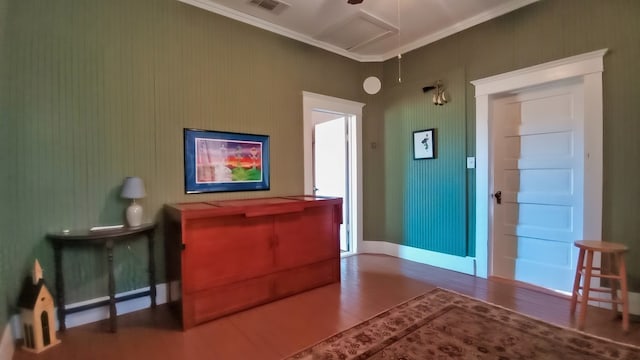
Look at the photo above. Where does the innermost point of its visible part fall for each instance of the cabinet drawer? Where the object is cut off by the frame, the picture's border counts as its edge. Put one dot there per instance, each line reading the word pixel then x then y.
pixel 213 303
pixel 307 277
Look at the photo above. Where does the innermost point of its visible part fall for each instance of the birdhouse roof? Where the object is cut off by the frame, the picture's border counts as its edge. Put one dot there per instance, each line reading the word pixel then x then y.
pixel 30 293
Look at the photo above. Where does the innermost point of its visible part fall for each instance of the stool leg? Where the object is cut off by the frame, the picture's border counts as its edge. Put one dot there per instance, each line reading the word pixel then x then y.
pixel 623 290
pixel 576 281
pixel 613 258
pixel 584 301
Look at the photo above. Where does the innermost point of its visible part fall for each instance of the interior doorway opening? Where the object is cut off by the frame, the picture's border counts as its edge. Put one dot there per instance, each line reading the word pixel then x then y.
pixel 332 137
pixel 331 164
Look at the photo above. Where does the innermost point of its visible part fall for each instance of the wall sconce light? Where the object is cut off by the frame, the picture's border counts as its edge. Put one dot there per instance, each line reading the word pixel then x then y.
pixel 439 97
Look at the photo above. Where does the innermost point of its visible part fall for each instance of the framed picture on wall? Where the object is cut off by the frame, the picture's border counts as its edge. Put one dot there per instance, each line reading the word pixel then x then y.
pixel 424 144
pixel 216 161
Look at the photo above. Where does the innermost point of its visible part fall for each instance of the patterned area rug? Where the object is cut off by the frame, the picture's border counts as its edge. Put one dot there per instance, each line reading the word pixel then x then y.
pixel 445 325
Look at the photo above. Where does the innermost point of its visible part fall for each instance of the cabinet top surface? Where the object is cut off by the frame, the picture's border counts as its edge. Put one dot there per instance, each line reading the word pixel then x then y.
pixel 238 204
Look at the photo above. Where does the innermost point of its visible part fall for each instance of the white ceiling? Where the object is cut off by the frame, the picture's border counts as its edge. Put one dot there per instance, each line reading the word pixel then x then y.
pixel 375 30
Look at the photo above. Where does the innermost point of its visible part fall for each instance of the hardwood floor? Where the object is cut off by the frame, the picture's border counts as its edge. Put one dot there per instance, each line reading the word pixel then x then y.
pixel 370 284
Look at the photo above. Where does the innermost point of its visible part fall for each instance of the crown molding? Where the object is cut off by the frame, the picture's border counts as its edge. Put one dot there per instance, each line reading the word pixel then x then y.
pixel 265 25
pixel 573 66
pixel 460 26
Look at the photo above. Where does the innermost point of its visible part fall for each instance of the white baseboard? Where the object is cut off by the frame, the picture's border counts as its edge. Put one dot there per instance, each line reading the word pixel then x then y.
pixel 634 301
pixel 7 344
pixel 98 313
pixel 463 264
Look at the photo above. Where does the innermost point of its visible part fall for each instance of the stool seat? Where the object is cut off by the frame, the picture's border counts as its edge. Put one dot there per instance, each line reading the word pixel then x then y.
pixel 585 271
pixel 601 246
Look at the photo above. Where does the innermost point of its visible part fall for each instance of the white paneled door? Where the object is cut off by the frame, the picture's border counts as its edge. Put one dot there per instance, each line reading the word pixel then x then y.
pixel 538 184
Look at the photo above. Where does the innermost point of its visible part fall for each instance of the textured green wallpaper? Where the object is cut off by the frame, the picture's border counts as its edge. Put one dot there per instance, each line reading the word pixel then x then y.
pixel 541 32
pixel 5 190
pixel 373 179
pixel 94 91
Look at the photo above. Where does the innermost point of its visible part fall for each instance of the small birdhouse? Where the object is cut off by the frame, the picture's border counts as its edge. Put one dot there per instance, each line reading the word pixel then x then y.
pixel 37 313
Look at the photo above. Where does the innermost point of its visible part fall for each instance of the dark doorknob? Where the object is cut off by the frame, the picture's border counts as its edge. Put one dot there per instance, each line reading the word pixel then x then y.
pixel 498 196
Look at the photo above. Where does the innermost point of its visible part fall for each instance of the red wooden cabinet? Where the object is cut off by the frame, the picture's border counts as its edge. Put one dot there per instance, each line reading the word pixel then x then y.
pixel 230 255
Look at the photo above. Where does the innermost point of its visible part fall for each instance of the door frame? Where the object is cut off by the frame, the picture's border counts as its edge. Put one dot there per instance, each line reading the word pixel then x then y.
pixel 312 101
pixel 588 68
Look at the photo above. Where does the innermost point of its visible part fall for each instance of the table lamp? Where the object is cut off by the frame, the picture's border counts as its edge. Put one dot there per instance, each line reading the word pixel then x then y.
pixel 133 188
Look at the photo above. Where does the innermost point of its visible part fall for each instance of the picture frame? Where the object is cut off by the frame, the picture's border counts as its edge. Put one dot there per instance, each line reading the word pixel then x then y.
pixel 424 144
pixel 218 161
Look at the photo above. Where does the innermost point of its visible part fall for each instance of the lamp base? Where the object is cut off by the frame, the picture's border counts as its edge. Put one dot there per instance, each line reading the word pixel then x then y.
pixel 134 214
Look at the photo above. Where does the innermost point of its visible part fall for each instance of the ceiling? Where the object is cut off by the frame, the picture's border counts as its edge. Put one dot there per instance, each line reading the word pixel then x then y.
pixel 374 30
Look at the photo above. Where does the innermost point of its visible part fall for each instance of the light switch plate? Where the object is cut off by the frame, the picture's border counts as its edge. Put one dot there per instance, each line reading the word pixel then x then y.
pixel 471 162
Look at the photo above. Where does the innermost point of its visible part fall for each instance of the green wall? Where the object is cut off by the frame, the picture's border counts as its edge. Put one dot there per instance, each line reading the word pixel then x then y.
pixel 419 193
pixel 5 134
pixel 93 91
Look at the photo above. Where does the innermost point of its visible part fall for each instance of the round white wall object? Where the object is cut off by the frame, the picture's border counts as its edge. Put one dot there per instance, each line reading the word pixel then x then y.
pixel 371 85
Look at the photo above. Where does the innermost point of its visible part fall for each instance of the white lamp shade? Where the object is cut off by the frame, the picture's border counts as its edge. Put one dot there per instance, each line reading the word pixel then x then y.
pixel 133 188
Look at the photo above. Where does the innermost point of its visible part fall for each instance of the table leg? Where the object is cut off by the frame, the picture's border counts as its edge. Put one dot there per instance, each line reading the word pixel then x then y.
pixel 152 269
pixel 112 288
pixel 57 256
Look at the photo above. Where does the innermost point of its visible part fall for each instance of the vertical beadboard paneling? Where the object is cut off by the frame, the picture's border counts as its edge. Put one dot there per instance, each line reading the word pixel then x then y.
pixel 99 90
pixel 426 198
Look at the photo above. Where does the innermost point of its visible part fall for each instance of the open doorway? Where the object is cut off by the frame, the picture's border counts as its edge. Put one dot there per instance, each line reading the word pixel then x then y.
pixel 331 166
pixel 333 159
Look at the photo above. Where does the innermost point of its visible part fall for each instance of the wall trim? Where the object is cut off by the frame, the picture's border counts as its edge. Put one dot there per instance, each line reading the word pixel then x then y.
pixel 573 66
pixel 7 343
pixel 99 313
pixel 458 27
pixel 588 67
pixel 464 265
pixel 634 301
pixel 263 24
pixel 461 264
pixel 312 101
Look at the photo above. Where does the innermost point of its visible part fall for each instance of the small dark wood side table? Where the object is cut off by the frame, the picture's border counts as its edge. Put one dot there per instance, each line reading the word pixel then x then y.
pixel 106 238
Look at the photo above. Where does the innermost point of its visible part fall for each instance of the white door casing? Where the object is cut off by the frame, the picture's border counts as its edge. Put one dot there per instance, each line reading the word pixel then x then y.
pixel 311 102
pixel 585 68
pixel 538 138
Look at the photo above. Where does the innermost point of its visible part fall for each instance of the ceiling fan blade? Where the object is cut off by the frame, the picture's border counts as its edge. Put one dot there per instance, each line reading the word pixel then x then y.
pixel 354 2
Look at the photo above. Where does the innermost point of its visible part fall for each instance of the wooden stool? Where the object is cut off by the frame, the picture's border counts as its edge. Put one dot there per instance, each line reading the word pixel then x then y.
pixel 616 252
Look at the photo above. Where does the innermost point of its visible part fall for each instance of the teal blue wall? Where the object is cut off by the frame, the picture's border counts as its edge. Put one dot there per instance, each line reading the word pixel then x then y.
pixel 426 199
